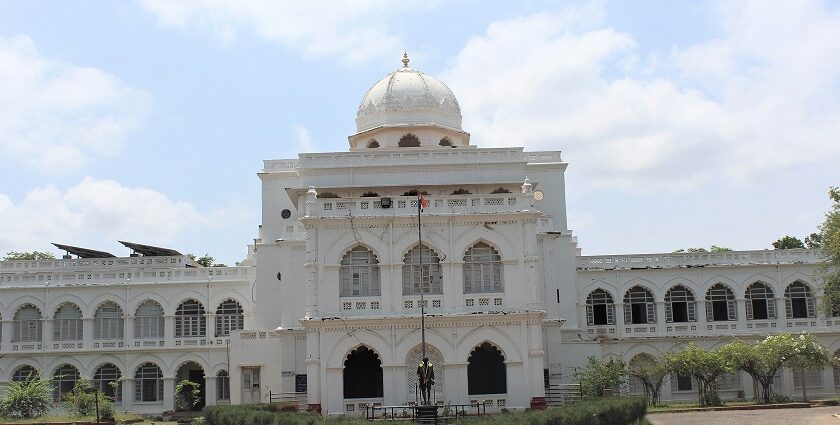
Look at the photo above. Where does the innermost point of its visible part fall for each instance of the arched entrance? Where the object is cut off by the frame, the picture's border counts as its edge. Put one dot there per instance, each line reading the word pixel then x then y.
pixel 193 372
pixel 486 371
pixel 413 359
pixel 362 374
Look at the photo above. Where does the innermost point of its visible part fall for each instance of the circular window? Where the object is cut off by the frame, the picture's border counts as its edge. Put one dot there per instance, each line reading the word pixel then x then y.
pixel 538 195
pixel 286 213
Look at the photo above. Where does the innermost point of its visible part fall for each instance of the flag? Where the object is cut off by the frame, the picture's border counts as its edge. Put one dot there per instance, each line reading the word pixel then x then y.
pixel 424 203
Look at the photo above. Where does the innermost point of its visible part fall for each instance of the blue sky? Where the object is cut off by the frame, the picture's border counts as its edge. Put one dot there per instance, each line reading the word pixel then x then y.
pixel 685 124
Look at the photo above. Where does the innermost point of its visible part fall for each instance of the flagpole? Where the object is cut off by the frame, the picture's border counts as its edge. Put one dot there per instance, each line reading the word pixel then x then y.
pixel 422 288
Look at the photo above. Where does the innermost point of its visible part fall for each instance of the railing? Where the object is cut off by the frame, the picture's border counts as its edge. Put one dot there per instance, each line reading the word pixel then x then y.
pixel 675 260
pixel 297 399
pixel 410 157
pixel 92 263
pixel 32 278
pixel 442 412
pixel 407 205
pixel 560 394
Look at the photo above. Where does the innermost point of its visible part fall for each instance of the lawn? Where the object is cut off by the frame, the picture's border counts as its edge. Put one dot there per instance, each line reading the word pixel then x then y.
pixel 71 418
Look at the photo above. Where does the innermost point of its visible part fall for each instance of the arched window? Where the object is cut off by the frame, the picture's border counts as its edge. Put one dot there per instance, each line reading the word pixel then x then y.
pixel 810 377
pixel 27 324
pixel 68 323
pixel 759 304
pixel 373 144
pixel 222 386
pixel 720 304
pixel 799 303
pixel 24 373
pixel 189 320
pixel 108 322
pixel 102 379
pixel 680 305
pixel 409 141
pixel 421 271
pixel 483 270
pixel 600 309
pixel 370 194
pixel 639 306
pixel 359 274
pixel 500 190
pixel 148 321
pixel 486 372
pixel 148 383
pixel 446 142
pixel 637 363
pixel 229 317
pixel 327 195
pixel 413 359
pixel 363 374
pixel 64 380
pixel 462 191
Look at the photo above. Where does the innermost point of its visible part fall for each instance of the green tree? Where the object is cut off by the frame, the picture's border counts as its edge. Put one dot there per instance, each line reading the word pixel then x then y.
pixel 813 241
pixel 651 372
pixel 26 399
pixel 79 402
pixel 28 255
pixel 761 361
pixel 830 244
pixel 713 248
pixel 807 353
pixel 205 260
pixel 598 375
pixel 705 366
pixel 187 395
pixel 788 242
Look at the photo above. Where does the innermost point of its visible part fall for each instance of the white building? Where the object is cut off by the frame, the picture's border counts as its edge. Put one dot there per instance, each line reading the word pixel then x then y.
pixel 329 296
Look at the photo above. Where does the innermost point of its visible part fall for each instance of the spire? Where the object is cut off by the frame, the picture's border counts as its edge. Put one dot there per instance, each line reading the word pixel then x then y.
pixel 405 59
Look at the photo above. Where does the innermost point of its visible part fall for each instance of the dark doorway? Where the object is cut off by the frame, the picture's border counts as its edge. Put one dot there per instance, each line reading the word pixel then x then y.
pixel 799 308
pixel 638 313
pixel 679 311
pixel 197 376
pixel 193 372
pixel 486 371
pixel 759 308
pixel 720 311
pixel 362 374
pixel 599 311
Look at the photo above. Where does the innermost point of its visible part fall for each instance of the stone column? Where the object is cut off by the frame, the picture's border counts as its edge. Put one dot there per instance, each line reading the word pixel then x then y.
pixel 169 330
pixel 313 370
pixel 127 392
pixel 209 321
pixel 828 380
pixel 47 333
pixel 87 332
pixel 169 393
pixel 128 329
pixel 660 318
pixel 210 390
pixel 7 331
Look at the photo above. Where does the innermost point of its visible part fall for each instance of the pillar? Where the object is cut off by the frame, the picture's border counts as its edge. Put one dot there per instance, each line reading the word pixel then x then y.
pixel 87 331
pixel 127 393
pixel 6 333
pixel 169 393
pixel 313 370
pixel 128 329
pixel 169 330
pixel 209 390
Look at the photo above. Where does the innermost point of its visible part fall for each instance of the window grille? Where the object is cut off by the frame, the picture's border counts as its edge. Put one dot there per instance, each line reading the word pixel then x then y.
pixel 148 383
pixel 229 317
pixel 108 322
pixel 799 303
pixel 639 361
pixel 760 304
pixel 812 377
pixel 720 304
pixel 639 306
pixel 68 323
pixel 729 382
pixel 189 320
pixel 104 376
pixel 24 373
pixel 148 321
pixel 359 274
pixel 599 308
pixel 680 305
pixel 222 385
pixel 682 382
pixel 27 324
pixel 483 270
pixel 419 277
pixel 64 380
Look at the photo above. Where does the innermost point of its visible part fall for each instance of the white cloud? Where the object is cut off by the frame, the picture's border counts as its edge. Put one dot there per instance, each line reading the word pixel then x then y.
pixel 356 31
pixel 97 213
pixel 57 117
pixel 764 94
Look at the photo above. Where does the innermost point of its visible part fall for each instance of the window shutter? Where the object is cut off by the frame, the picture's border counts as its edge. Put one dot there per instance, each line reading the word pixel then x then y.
pixel 811 306
pixel 690 307
pixel 788 307
pixel 710 316
pixel 730 304
pixel 590 316
pixel 749 309
pixel 651 312
pixel 610 314
pixel 669 312
pixel 771 308
pixel 628 314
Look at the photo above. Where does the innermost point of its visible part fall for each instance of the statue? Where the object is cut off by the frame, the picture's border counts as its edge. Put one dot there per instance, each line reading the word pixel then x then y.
pixel 426 378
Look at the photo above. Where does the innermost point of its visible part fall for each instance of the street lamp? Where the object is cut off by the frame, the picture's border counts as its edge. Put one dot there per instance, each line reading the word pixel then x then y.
pixel 95 392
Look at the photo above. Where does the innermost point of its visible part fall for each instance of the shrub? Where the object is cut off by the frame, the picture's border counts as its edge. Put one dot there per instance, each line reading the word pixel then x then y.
pixel 78 402
pixel 26 399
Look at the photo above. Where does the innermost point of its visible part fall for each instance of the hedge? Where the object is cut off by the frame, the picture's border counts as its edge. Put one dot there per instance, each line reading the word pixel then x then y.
pixel 602 411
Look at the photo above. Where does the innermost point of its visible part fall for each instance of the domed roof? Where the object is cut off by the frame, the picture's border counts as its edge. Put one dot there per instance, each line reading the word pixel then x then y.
pixel 408 96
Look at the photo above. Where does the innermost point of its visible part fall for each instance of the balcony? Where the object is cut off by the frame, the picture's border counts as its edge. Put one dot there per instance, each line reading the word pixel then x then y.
pixel 90 277
pixel 407 206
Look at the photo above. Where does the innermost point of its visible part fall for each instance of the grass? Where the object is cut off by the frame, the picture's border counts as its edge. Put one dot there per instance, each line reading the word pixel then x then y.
pixel 694 405
pixel 71 418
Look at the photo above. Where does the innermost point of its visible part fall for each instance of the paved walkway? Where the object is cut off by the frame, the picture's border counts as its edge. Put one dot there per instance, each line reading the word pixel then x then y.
pixel 810 416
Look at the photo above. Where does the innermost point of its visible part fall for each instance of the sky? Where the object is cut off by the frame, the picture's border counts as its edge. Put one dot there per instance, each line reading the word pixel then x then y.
pixel 684 124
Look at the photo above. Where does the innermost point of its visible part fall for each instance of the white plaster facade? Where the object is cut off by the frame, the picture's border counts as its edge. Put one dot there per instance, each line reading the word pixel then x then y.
pixel 305 310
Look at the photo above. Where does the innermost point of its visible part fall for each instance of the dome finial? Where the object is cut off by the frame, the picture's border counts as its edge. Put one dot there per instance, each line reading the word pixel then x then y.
pixel 405 59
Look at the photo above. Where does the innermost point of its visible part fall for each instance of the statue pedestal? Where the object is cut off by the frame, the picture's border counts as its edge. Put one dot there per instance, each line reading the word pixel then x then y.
pixel 427 414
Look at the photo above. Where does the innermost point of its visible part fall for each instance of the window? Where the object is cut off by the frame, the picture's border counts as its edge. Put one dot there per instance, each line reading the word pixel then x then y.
pixel 24 373
pixel 372 144
pixel 462 191
pixel 328 195
pixel 679 305
pixel 483 270
pixel 639 306
pixel 229 317
pixel 500 190
pixel 27 324
pixel 446 142
pixel 148 321
pixel 189 320
pixel 811 376
pixel 760 304
pixel 637 363
pixel 421 271
pixel 108 322
pixel 359 274
pixel 681 382
pixel 148 383
pixel 370 194
pixel 68 323
pixel 64 380
pixel 799 304
pixel 102 379
pixel 409 141
pixel 599 308
pixel 222 385
pixel 720 304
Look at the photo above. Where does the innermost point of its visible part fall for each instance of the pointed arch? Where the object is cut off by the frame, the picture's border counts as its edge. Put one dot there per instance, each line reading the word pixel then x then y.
pixel 680 305
pixel 720 303
pixel 409 140
pixel 230 316
pixel 189 319
pixel 359 274
pixel 800 302
pixel 362 374
pixel 148 320
pixel 64 379
pixel 760 302
pixel 108 322
pixel 103 376
pixel 600 308
pixel 148 383
pixel 483 270
pixel 486 370
pixel 27 324
pixel 639 306
pixel 421 271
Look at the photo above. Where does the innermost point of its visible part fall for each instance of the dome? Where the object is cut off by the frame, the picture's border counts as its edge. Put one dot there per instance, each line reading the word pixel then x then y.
pixel 408 96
